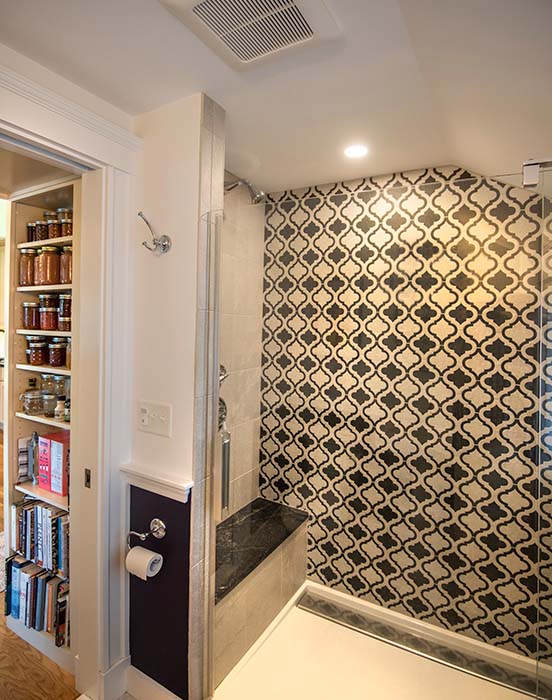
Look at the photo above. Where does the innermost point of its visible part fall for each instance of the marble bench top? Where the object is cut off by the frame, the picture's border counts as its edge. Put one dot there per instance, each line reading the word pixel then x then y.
pixel 247 538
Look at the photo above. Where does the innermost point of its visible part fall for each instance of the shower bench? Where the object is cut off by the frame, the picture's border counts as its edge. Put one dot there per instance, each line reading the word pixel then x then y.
pixel 261 556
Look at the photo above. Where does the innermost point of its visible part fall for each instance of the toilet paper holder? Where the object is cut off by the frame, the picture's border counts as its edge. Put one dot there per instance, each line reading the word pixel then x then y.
pixel 157 528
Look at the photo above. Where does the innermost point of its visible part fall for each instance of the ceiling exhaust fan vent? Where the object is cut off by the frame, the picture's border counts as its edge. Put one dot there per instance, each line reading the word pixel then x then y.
pixel 255 28
pixel 244 32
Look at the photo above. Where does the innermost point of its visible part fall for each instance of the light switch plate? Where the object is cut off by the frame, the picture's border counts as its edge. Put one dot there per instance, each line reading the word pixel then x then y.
pixel 154 418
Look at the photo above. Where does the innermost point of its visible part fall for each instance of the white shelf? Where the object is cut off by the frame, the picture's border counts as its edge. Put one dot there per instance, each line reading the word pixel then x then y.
pixel 46 288
pixel 45 643
pixel 45 369
pixel 62 240
pixel 44 421
pixel 53 334
pixel 53 499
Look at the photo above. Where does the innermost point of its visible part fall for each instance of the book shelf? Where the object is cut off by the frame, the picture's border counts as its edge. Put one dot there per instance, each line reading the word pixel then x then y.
pixel 18 372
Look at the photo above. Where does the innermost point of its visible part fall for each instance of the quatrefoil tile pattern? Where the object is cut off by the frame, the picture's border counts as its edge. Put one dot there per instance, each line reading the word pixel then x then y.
pixel 401 394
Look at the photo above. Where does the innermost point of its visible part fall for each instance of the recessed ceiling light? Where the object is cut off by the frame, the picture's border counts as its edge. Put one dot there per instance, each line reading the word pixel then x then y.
pixel 356 151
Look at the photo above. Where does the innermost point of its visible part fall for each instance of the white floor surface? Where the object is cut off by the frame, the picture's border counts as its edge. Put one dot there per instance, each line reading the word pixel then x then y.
pixel 309 658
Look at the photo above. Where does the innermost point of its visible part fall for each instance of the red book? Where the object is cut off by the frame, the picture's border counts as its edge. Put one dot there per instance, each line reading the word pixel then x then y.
pixel 44 462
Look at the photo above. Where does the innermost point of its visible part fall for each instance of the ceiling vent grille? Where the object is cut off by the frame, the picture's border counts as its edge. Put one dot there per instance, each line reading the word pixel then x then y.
pixel 254 28
pixel 244 32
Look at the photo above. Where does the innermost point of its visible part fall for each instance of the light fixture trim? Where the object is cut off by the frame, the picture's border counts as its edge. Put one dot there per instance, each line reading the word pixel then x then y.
pixel 356 150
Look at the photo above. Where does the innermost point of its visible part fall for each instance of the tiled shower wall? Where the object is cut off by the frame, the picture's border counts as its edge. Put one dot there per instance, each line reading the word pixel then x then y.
pixel 240 329
pixel 400 393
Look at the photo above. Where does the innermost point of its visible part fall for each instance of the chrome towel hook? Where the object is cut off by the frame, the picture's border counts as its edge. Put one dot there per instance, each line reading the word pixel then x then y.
pixel 160 245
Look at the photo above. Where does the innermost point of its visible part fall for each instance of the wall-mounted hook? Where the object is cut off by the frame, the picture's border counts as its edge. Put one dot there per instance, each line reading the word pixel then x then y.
pixel 160 245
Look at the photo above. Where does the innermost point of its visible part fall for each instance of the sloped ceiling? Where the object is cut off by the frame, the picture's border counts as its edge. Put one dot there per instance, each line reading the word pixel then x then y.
pixel 421 82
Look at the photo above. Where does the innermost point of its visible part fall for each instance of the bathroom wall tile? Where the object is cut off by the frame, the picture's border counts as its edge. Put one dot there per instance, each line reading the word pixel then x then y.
pixel 263 596
pixel 217 188
pixel 202 321
pixel 199 504
pixel 207 112
pixel 243 490
pixel 409 416
pixel 294 563
pixel 219 119
pixel 242 392
pixel 245 447
pixel 197 639
pixel 206 180
pixel 203 264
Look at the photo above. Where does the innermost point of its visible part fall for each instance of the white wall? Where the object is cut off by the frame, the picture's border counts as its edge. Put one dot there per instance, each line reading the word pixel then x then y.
pixel 65 88
pixel 164 288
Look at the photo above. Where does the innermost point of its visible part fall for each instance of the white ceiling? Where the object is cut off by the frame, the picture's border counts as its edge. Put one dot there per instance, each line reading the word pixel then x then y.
pixel 18 172
pixel 421 82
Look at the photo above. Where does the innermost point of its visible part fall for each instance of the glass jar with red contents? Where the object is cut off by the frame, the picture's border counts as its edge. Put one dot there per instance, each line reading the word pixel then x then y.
pixel 31 226
pixel 47 266
pixel 41 230
pixel 57 353
pixel 66 265
pixel 54 228
pixel 31 315
pixel 27 267
pixel 48 318
pixel 38 353
pixel 65 303
pixel 64 324
pixel 66 227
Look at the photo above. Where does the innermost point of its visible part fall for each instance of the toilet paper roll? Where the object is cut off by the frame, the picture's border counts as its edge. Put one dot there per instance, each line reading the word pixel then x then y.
pixel 143 563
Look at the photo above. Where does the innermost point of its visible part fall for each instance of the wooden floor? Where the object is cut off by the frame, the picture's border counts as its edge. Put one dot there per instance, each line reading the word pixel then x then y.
pixel 25 674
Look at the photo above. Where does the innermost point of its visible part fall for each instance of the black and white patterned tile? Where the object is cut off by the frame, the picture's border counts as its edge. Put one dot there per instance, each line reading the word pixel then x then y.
pixel 400 393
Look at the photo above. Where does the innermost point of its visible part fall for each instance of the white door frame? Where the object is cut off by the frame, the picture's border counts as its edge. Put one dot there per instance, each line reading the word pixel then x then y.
pixel 48 124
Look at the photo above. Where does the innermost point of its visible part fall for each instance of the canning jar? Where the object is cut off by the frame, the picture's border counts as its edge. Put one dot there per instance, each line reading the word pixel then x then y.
pixel 64 323
pixel 32 402
pixel 60 384
pixel 27 267
pixel 47 384
pixel 50 300
pixel 49 402
pixel 66 265
pixel 54 228
pixel 63 213
pixel 47 266
pixel 66 227
pixel 56 354
pixel 31 315
pixel 41 230
pixel 65 303
pixel 37 355
pixel 68 354
pixel 48 214
pixel 48 318
pixel 31 232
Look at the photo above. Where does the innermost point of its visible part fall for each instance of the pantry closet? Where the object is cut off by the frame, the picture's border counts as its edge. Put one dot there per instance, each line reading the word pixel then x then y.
pixel 51 404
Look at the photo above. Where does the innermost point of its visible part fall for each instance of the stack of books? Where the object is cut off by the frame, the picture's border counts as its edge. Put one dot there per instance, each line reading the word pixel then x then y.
pixel 38 598
pixel 40 533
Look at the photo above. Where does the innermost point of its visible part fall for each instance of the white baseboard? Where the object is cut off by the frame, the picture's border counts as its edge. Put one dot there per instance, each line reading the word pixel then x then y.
pixel 143 687
pixel 472 647
pixel 113 683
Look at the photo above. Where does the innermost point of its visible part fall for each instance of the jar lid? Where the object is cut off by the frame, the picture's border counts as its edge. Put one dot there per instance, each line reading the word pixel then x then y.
pixel 33 393
pixel 57 345
pixel 53 221
pixel 31 223
pixel 68 248
pixel 28 251
pixel 58 377
pixel 37 345
pixel 62 209
pixel 30 303
pixel 35 338
pixel 50 249
pixel 49 214
pixel 48 296
pixel 66 221
pixel 38 222
pixel 64 318
pixel 65 296
pixel 48 396
pixel 59 340
pixel 46 309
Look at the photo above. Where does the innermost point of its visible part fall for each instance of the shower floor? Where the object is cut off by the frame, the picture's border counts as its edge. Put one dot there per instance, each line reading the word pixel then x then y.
pixel 308 657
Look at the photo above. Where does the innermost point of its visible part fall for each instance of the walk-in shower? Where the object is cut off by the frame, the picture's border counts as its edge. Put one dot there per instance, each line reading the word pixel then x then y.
pixel 257 196
pixel 387 345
